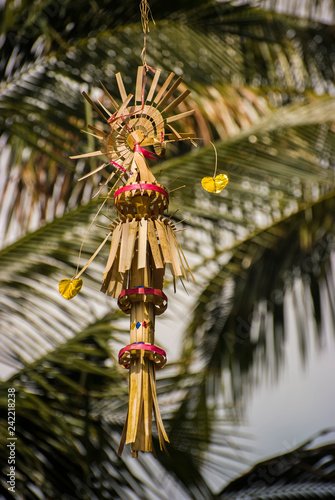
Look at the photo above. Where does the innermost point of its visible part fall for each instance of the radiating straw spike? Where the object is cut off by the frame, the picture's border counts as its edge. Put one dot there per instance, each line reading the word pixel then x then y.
pixel 179 255
pixel 163 88
pixel 174 213
pixel 181 115
pixel 124 105
pixel 139 84
pixel 170 91
pixel 154 85
pixel 181 280
pixel 105 184
pixel 175 131
pixel 112 100
pixel 110 218
pixel 175 189
pixel 159 420
pixel 177 101
pixel 105 109
pixel 179 222
pixel 90 133
pixel 94 106
pixel 97 131
pixel 181 250
pixel 159 173
pixel 120 84
pixel 87 155
pixel 184 136
pixel 93 172
pixel 174 180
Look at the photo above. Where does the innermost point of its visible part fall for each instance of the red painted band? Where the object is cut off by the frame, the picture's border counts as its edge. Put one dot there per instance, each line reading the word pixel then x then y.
pixel 142 347
pixel 135 187
pixel 142 290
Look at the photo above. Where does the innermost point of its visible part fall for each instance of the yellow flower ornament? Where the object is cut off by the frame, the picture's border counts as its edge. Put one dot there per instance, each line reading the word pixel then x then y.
pixel 215 184
pixel 69 288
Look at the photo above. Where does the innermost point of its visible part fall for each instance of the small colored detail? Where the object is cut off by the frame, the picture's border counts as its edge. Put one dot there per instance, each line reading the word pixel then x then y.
pixel 145 152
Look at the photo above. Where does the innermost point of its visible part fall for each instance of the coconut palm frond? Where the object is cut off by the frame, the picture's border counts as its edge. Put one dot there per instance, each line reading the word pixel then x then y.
pixel 44 71
pixel 305 472
pixel 274 169
pixel 240 321
pixel 61 442
pixel 34 316
pixel 70 406
pixel 314 10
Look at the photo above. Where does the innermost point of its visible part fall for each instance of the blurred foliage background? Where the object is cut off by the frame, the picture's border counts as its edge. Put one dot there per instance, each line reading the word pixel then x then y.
pixel 262 82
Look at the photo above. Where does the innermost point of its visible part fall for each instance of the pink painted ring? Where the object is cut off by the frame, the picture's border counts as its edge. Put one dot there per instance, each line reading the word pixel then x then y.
pixel 135 187
pixel 159 354
pixel 124 302
pixel 143 290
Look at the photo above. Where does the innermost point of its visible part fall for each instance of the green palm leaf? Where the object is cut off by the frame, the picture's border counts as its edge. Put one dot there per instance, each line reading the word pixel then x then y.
pixel 248 298
pixel 46 81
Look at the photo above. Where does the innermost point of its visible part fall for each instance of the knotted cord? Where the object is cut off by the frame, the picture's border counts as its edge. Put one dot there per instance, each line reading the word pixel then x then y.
pixel 145 12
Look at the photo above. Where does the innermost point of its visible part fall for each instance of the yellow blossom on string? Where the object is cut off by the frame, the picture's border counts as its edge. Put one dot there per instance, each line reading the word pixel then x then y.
pixel 216 183
pixel 69 288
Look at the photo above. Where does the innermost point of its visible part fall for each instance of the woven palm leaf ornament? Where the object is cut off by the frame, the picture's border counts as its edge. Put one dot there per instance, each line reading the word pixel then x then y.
pixel 142 236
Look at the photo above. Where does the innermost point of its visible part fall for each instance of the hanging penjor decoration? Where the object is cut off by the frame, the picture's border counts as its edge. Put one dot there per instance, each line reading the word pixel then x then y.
pixel 143 239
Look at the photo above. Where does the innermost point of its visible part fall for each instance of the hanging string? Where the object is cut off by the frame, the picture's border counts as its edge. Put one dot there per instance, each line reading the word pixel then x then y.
pixel 216 159
pixel 145 12
pixel 86 234
pixel 216 183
